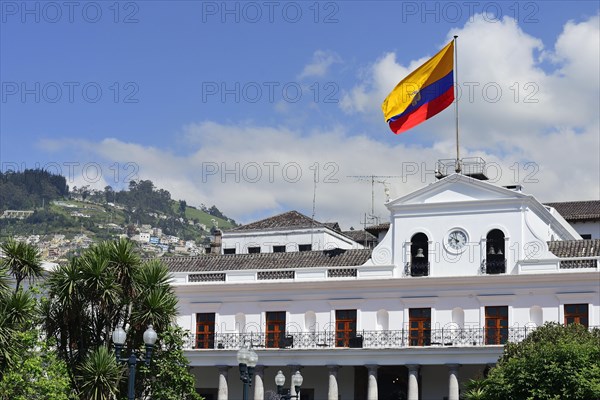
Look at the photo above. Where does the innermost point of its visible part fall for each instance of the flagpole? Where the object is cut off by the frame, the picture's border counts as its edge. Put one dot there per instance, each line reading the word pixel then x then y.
pixel 457 167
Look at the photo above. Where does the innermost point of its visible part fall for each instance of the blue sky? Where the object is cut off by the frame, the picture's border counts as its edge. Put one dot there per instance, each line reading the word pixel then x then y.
pixel 237 103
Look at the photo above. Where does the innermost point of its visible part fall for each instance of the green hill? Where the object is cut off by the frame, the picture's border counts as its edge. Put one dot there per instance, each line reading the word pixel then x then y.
pixel 98 214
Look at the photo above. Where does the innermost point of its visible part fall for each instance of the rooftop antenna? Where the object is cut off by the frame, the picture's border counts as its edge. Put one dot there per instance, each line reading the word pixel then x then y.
pixel 375 179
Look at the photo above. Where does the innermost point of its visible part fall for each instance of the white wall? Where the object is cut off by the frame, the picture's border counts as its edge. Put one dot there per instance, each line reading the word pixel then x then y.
pixel 591 228
pixel 320 238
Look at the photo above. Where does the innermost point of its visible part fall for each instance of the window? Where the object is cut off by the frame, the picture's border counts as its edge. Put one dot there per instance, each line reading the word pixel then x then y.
pixel 275 328
pixel 254 250
pixel 496 325
pixel 304 247
pixel 576 314
pixel 586 236
pixel 205 330
pixel 229 251
pixel 419 253
pixel 345 327
pixel 279 249
pixel 420 326
pixel 495 261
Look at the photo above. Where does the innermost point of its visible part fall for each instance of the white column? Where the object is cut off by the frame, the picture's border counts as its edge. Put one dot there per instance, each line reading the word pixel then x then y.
pixel 223 393
pixel 453 381
pixel 413 382
pixel 293 369
pixel 259 389
pixel 372 385
pixel 333 385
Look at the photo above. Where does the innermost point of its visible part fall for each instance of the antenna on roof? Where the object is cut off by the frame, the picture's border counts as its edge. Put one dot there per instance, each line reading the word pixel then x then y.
pixel 376 179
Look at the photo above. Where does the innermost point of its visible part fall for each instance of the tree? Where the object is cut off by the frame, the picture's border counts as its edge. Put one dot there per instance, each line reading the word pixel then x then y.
pixel 182 207
pixel 22 260
pixel 554 362
pixel 106 287
pixel 169 375
pixel 36 373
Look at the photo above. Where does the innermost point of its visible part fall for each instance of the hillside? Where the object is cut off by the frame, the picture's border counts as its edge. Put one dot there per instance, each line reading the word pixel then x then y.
pixel 56 210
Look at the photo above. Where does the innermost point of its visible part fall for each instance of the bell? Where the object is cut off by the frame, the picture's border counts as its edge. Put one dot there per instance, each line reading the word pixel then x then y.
pixel 491 251
pixel 420 253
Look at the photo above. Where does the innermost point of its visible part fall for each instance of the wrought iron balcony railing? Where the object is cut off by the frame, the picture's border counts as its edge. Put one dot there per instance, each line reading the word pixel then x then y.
pixel 493 266
pixel 417 269
pixel 388 339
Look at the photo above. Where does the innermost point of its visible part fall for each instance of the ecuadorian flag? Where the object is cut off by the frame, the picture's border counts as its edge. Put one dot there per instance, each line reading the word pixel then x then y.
pixel 423 93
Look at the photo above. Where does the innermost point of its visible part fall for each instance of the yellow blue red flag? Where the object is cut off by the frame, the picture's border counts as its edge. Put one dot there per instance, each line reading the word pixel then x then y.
pixel 423 93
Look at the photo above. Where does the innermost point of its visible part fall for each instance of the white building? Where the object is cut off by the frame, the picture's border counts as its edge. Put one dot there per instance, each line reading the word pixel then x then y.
pixel 464 267
pixel 287 232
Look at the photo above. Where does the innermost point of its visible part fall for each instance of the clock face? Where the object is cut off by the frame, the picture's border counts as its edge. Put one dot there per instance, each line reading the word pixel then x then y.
pixel 457 239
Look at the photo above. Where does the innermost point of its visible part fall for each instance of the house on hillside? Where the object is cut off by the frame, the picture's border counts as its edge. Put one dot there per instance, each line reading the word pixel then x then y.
pixel 462 267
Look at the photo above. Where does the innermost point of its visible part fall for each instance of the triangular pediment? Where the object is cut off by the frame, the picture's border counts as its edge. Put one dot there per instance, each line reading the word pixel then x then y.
pixel 456 188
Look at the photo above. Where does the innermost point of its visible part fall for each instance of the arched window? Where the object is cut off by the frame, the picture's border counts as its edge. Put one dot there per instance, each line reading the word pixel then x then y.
pixel 419 255
pixel 495 259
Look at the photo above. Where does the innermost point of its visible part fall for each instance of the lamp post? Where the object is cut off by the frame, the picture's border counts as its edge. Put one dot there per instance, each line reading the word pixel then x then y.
pixel 297 380
pixel 119 336
pixel 247 359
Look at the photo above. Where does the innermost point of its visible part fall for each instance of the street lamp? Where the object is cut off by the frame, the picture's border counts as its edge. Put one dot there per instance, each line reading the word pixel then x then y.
pixel 297 380
pixel 119 336
pixel 247 358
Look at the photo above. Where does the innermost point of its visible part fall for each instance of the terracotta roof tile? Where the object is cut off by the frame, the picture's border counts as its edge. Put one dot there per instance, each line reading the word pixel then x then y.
pixel 578 210
pixel 360 236
pixel 290 219
pixel 375 229
pixel 268 261
pixel 575 248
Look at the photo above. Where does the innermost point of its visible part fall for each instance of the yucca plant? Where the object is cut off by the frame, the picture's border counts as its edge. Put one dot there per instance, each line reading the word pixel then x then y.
pixel 100 375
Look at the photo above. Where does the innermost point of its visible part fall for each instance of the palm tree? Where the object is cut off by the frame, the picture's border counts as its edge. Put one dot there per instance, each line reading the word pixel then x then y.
pixel 17 311
pixel 22 260
pixel 106 287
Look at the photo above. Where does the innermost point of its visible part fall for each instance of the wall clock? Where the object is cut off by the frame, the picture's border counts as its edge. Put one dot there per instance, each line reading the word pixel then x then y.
pixel 456 239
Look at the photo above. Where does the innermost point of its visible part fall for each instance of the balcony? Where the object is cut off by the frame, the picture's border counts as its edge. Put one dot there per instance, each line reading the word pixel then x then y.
pixel 491 266
pixel 390 339
pixel 417 269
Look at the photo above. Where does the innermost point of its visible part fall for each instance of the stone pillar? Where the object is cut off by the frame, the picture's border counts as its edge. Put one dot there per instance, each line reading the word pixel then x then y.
pixel 259 389
pixel 223 393
pixel 453 390
pixel 372 385
pixel 413 382
pixel 293 369
pixel 333 385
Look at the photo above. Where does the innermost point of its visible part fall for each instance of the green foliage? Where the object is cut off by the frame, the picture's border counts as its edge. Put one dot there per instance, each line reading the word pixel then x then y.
pixel 169 377
pixel 555 362
pixel 107 287
pixel 22 260
pixel 30 189
pixel 100 375
pixel 36 373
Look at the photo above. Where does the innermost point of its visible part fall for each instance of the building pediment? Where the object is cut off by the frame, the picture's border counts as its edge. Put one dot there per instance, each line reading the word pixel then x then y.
pixel 455 188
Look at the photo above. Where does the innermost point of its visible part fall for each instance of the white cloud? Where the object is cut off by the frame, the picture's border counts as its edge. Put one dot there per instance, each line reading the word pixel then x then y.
pixel 320 64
